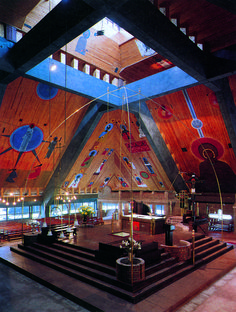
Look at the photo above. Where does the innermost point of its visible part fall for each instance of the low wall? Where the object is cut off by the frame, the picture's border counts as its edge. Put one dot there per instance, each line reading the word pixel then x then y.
pixel 124 270
pixel 182 251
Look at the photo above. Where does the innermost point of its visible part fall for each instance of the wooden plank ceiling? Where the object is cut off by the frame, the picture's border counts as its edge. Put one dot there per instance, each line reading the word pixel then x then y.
pixel 173 118
pixel 21 107
pixel 106 160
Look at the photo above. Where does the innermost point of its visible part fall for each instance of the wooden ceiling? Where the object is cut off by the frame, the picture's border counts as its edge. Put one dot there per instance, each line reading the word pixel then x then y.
pixel 173 119
pixel 106 160
pixel 22 108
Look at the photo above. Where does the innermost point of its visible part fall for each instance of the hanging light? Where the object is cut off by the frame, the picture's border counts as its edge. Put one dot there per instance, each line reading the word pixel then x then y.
pixel 49 233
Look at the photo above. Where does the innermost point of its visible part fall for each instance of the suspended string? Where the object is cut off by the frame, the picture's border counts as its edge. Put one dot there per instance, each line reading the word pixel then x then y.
pixel 146 98
pixel 195 137
pixel 131 183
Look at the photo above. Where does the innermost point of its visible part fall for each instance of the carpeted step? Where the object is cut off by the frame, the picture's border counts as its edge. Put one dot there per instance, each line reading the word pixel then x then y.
pixel 202 241
pixel 158 276
pixel 161 265
pixel 210 250
pixel 215 253
pixel 73 246
pixel 206 245
pixel 102 285
pixel 87 254
pixel 75 257
pixel 97 272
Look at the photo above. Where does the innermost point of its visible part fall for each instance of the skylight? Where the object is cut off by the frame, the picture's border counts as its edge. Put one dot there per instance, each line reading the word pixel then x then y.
pixel 110 29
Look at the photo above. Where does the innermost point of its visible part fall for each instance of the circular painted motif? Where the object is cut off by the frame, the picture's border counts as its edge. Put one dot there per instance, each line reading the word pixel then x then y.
pixel 144 174
pixel 46 92
pixel 26 138
pixel 196 123
pixel 202 145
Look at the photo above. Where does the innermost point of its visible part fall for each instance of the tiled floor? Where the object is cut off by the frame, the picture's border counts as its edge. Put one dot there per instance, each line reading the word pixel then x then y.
pixel 21 294
pixel 219 297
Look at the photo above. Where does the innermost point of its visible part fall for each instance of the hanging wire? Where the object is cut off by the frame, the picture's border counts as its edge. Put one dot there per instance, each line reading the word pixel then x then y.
pixel 146 98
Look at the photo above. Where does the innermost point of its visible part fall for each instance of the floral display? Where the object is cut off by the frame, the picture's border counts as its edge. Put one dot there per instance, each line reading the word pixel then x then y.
pixel 127 245
pixel 86 210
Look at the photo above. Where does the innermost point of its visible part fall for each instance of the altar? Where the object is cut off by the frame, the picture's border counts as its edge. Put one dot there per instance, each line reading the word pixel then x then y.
pixel 143 223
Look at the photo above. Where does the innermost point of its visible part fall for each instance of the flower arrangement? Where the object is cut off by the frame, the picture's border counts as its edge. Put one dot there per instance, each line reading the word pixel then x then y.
pixel 127 245
pixel 86 210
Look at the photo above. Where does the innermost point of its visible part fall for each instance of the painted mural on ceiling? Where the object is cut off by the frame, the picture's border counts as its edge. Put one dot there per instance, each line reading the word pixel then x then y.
pixel 193 128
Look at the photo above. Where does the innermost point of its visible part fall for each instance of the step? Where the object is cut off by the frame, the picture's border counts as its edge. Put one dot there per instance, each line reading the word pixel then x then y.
pixel 102 285
pixel 206 245
pixel 73 246
pixel 202 241
pixel 133 294
pixel 71 264
pixel 210 250
pixel 163 264
pixel 77 252
pixel 78 258
pixel 213 255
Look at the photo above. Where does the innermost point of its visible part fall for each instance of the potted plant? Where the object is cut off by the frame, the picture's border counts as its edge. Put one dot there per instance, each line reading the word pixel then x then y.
pixel 127 246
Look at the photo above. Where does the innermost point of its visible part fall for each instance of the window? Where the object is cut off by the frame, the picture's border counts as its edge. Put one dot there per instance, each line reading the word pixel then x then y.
pixel 36 212
pixel 3 214
pixel 108 209
pixel 159 210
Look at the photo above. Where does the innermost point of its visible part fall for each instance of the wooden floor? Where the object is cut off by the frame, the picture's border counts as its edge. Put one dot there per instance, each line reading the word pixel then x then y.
pixel 91 236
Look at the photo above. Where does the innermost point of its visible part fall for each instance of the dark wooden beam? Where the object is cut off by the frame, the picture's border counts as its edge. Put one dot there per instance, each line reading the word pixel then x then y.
pixel 2 91
pixel 65 22
pixel 74 149
pixel 158 145
pixel 145 22
pixel 228 110
pixel 228 5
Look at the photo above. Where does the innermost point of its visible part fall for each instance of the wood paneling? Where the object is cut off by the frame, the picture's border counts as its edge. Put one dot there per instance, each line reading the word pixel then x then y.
pixel 202 19
pixel 22 106
pixel 178 132
pixel 115 166
pixel 14 12
pixel 101 51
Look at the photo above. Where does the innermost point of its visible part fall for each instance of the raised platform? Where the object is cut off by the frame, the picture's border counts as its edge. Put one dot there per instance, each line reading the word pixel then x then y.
pixel 96 297
pixel 167 299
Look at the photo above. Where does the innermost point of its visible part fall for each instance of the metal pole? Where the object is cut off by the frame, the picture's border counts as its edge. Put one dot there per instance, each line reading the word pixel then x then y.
pixel 193 245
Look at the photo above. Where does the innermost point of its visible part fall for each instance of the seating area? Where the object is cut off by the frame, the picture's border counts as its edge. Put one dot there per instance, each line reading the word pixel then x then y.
pixel 12 230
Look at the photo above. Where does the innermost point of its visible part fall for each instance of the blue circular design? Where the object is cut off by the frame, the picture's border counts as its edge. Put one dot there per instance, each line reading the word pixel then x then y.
pixel 93 153
pixel 46 92
pixel 108 127
pixel 197 123
pixel 26 138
